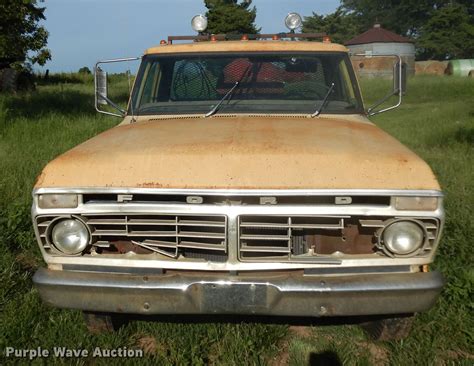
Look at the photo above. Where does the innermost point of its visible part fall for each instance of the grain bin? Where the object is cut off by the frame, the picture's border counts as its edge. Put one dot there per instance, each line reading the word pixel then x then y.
pixel 379 41
pixel 460 67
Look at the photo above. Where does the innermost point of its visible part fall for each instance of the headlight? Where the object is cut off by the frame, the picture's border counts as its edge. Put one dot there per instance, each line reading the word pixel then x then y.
pixel 403 237
pixel 293 21
pixel 199 23
pixel 57 200
pixel 70 236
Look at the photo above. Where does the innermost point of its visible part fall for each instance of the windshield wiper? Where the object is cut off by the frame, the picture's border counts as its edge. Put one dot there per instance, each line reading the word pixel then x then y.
pixel 318 111
pixel 216 107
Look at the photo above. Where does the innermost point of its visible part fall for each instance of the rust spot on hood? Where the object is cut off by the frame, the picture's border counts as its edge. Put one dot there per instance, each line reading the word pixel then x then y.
pixel 150 185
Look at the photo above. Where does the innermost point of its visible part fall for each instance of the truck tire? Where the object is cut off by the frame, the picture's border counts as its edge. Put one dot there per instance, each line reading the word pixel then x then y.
pixel 8 80
pixel 98 323
pixel 389 329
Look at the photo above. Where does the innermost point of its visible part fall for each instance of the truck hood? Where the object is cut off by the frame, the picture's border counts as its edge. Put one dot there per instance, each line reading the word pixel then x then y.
pixel 241 153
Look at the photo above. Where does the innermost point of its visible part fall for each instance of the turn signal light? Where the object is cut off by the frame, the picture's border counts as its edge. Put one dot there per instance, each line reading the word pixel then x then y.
pixel 416 203
pixel 58 200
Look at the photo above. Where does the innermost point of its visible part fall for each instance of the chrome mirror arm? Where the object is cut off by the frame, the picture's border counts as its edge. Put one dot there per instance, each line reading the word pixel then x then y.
pixel 104 97
pixel 399 91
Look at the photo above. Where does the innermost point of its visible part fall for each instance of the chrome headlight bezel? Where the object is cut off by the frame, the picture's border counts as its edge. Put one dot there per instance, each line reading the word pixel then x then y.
pixel 389 250
pixel 57 248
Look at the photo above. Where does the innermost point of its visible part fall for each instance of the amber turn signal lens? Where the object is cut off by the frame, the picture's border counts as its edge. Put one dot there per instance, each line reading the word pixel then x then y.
pixel 326 39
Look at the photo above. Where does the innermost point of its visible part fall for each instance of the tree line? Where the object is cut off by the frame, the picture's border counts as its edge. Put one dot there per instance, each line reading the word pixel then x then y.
pixel 441 29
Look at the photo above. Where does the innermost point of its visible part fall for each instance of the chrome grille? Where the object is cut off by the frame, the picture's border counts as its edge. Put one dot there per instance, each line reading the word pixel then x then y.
pixel 164 233
pixel 286 237
pixel 270 237
pixel 260 237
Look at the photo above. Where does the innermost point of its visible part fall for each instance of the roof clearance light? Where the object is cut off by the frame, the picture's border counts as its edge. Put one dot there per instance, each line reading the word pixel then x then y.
pixel 199 23
pixel 326 39
pixel 293 21
pixel 162 42
pixel 244 37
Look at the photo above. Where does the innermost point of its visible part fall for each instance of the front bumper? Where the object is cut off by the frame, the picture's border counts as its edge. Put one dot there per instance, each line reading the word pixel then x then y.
pixel 265 294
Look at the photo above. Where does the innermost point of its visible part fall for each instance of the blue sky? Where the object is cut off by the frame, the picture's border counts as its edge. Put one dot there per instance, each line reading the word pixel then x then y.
pixel 84 31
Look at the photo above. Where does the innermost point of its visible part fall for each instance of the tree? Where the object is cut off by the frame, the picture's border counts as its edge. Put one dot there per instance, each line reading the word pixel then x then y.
pixel 339 25
pixel 442 29
pixel 448 34
pixel 230 16
pixel 22 39
pixel 402 17
pixel 84 70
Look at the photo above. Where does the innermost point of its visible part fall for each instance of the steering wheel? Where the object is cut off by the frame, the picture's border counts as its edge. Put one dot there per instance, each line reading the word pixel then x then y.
pixel 308 88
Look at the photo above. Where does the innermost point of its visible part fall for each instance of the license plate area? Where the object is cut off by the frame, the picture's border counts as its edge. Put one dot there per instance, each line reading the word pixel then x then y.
pixel 221 298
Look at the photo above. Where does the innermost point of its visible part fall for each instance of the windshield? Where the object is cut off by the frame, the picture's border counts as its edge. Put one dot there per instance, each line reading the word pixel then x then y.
pixel 266 83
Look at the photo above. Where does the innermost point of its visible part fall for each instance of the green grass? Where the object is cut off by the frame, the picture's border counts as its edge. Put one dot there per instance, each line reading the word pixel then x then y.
pixel 436 120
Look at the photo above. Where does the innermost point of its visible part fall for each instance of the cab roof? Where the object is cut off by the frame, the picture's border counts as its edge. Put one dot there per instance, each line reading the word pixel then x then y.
pixel 243 46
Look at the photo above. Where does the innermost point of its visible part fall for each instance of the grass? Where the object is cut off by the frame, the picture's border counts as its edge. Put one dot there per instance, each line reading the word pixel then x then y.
pixel 436 120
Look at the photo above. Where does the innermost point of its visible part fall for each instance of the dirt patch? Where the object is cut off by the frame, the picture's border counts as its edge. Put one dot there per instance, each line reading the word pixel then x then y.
pixel 27 262
pixel 283 357
pixel 458 355
pixel 150 346
pixel 301 331
pixel 378 354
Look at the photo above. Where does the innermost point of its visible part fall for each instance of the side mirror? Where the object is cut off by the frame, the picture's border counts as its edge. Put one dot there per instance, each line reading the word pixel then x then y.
pixel 101 88
pixel 399 78
pixel 399 83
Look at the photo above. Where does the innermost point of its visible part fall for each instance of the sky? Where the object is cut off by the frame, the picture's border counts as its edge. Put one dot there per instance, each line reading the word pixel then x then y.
pixel 82 32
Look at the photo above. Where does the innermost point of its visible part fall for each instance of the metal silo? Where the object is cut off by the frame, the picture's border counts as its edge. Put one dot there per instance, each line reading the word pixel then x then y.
pixel 379 41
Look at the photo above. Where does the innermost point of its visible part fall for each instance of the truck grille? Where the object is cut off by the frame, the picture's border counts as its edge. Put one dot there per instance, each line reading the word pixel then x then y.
pixel 165 234
pixel 311 237
pixel 260 237
pixel 268 237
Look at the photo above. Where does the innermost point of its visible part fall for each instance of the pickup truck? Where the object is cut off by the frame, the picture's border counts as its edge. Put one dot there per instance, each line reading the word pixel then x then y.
pixel 245 178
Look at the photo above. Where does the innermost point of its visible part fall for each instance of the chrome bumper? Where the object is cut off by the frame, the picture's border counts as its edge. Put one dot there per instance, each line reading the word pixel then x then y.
pixel 268 294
